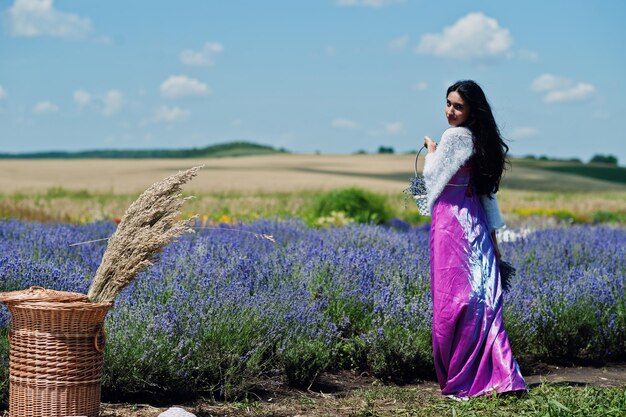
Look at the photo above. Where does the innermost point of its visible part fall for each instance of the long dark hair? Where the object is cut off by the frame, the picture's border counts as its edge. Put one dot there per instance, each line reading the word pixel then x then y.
pixel 490 152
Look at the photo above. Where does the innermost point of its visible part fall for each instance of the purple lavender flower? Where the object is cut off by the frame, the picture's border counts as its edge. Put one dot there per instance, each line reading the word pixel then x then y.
pixel 222 308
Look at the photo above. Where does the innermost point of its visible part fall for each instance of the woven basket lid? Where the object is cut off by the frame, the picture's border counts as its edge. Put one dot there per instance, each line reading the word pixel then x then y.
pixel 41 294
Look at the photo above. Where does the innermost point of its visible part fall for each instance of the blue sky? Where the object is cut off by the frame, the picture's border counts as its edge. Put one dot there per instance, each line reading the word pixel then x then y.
pixel 333 76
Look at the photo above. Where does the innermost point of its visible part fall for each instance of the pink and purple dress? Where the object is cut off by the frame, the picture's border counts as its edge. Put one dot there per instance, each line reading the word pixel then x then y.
pixel 472 354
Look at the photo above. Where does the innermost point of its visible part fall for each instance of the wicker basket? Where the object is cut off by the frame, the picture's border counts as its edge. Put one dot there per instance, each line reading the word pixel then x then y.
pixel 56 351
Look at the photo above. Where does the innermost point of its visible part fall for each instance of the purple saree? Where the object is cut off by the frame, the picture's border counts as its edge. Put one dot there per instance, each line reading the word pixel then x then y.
pixel 471 349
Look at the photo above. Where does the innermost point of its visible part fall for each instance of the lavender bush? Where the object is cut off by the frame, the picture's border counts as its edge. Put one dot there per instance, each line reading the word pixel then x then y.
pixel 223 309
pixel 569 301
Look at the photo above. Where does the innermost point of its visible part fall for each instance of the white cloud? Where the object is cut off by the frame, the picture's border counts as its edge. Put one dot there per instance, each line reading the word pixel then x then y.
pixel 108 104
pixel 560 89
pixel 113 102
pixel 45 107
pixel 394 128
pixel 342 123
pixel 421 86
pixel 523 132
pixel 399 43
pixel 547 82
pixel 203 57
pixel 181 86
pixel 31 18
pixel 330 51
pixel 82 98
pixel 474 36
pixel 171 114
pixel 367 3
pixel 3 93
pixel 576 93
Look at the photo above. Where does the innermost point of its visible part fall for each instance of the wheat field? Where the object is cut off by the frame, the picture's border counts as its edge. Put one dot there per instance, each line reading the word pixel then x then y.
pixel 253 186
pixel 271 173
pixel 267 173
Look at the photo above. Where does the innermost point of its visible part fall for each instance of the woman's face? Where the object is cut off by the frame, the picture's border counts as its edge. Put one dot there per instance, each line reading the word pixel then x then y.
pixel 457 111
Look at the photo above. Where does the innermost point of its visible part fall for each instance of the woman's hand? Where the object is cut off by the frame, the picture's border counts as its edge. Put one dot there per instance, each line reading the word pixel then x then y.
pixel 431 145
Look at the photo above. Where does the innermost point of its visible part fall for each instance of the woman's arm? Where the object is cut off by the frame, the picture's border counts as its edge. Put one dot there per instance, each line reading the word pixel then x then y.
pixel 444 160
pixel 492 211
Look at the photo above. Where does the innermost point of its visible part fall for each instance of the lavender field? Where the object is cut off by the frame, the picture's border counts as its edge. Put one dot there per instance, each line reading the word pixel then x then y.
pixel 224 309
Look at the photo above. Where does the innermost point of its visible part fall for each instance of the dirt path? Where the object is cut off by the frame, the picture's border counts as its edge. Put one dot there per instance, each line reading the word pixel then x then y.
pixel 340 394
pixel 609 376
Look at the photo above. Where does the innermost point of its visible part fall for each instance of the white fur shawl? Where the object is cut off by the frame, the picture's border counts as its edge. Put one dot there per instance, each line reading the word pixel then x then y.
pixel 454 149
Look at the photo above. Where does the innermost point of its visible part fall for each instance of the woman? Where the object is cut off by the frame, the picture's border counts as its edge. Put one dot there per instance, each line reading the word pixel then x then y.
pixel 471 349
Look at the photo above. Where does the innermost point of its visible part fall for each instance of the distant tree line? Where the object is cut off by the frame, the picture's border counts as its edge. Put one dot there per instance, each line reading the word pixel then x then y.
pixel 604 159
pixel 219 150
pixel 596 159
pixel 381 150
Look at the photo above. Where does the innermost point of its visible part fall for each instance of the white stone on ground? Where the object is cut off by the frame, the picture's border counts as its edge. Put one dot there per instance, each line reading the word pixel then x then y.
pixel 176 412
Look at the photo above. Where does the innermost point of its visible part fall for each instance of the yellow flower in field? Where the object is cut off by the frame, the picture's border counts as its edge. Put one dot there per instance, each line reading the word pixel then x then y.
pixel 561 214
pixel 225 218
pixel 205 219
pixel 336 218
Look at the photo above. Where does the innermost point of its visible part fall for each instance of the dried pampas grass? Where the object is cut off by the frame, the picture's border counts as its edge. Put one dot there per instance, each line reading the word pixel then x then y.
pixel 148 225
